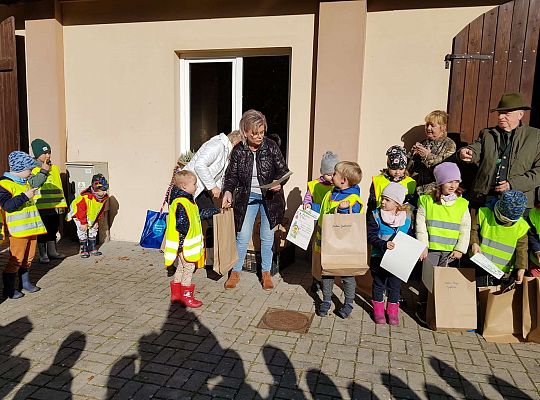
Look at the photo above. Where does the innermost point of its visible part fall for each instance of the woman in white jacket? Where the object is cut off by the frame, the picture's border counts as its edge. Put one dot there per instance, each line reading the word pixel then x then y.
pixel 209 164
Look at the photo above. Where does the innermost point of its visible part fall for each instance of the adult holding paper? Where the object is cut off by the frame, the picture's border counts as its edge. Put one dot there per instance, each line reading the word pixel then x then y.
pixel 443 223
pixel 255 162
pixel 383 224
pixel 500 233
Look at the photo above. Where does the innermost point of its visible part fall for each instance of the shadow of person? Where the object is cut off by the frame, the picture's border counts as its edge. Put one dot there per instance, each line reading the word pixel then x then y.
pixel 58 376
pixel 506 389
pixel 359 392
pixel 12 367
pixel 415 134
pixel 282 372
pixel 398 387
pixel 114 207
pixel 449 374
pixel 184 358
pixel 294 199
pixel 320 385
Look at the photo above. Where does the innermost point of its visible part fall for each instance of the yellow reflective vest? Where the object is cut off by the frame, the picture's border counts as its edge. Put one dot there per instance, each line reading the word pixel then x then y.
pixel 26 221
pixel 50 194
pixel 534 217
pixel 381 181
pixel 443 222
pixel 328 206
pixel 93 207
pixel 193 248
pixel 318 190
pixel 498 242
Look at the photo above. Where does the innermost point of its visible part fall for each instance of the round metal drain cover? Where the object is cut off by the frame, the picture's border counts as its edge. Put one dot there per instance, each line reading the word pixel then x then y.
pixel 286 320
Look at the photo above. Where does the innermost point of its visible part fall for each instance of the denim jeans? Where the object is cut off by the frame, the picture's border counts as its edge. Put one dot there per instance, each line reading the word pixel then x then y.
pixel 255 205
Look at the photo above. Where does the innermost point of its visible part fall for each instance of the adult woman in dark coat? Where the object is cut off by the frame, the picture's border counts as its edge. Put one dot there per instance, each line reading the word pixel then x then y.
pixel 255 161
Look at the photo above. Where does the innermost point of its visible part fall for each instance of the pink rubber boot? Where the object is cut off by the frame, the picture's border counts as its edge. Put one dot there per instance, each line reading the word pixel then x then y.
pixel 378 312
pixel 392 309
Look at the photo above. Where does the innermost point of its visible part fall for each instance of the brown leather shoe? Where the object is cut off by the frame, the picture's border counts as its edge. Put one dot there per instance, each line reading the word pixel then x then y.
pixel 233 280
pixel 266 281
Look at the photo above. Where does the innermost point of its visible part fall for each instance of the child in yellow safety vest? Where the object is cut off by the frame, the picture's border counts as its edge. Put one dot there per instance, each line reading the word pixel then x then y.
pixel 534 240
pixel 50 202
pixel 443 223
pixel 395 171
pixel 183 237
pixel 22 221
pixel 500 233
pixel 86 210
pixel 344 196
pixel 317 189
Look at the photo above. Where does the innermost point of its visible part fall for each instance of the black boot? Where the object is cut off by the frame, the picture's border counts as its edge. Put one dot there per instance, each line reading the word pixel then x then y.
pixel 92 247
pixel 9 286
pixel 84 249
pixel 24 282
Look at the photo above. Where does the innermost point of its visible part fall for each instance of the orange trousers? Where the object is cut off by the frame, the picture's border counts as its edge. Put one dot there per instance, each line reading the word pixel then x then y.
pixel 21 253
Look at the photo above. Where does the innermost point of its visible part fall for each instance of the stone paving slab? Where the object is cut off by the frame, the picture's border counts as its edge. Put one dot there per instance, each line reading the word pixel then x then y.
pixel 103 328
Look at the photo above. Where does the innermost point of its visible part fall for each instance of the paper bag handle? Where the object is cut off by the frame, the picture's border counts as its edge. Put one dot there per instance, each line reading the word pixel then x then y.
pixel 337 207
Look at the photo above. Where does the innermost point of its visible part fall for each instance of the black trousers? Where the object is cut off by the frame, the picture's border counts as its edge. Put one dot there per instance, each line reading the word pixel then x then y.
pixel 206 200
pixel 52 223
pixel 384 281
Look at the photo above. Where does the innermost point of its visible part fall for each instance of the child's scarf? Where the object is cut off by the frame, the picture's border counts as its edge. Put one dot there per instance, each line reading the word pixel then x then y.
pixel 393 219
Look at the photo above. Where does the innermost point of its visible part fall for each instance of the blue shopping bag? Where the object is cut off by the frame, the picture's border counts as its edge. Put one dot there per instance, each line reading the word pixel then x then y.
pixel 154 229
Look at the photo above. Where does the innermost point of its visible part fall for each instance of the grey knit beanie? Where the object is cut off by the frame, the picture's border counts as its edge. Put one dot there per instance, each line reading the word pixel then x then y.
pixel 328 162
pixel 395 191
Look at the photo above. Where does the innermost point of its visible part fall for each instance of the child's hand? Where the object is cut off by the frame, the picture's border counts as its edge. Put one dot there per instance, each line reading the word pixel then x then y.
pixel 475 248
pixel 276 188
pixel 216 192
pixel 390 245
pixel 344 204
pixel 96 225
pixel 227 200
pixel 31 192
pixel 423 256
pixel 520 275
pixel 456 255
pixel 307 206
pixel 84 227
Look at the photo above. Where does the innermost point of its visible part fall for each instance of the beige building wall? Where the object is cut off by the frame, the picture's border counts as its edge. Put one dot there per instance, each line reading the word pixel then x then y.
pixel 122 95
pixel 404 76
pixel 340 62
pixel 45 86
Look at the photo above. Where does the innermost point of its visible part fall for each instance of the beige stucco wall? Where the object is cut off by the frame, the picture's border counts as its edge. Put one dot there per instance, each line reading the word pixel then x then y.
pixel 45 85
pixel 122 94
pixel 404 75
pixel 340 61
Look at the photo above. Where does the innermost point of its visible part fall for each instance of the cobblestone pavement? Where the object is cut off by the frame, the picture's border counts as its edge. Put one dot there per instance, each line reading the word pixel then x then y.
pixel 103 328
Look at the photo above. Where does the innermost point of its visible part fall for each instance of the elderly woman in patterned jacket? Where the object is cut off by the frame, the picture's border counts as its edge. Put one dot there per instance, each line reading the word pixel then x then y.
pixel 254 162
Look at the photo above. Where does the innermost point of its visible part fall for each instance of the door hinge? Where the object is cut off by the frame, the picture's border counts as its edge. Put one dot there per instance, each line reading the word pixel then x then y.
pixel 451 57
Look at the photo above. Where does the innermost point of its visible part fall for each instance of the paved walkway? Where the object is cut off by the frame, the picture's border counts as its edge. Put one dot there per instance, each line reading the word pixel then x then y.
pixel 103 328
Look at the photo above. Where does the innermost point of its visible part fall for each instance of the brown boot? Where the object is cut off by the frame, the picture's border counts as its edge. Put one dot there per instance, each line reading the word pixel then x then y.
pixel 266 281
pixel 233 280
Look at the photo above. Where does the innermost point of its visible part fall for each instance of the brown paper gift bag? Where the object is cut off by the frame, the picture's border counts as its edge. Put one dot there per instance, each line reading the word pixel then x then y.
pixel 452 302
pixel 531 309
pixel 344 245
pixel 482 304
pixel 503 322
pixel 225 255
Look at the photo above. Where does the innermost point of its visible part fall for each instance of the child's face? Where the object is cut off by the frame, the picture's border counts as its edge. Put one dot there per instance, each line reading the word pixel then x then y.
pixel 328 177
pixel 449 187
pixel 340 181
pixel 101 192
pixel 189 185
pixel 396 173
pixel 23 174
pixel 44 157
pixel 388 204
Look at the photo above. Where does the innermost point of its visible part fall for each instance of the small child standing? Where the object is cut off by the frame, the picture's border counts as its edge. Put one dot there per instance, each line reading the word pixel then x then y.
pixel 443 223
pixel 344 196
pixel 184 238
pixel 316 190
pixel 534 241
pixel 22 221
pixel 382 226
pixel 500 233
pixel 395 171
pixel 85 211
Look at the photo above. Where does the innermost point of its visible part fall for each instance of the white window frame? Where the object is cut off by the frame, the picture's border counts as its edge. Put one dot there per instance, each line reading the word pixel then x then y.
pixel 185 94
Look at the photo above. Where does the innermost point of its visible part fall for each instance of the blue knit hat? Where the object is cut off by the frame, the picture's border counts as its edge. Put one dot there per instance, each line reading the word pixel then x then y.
pixel 99 182
pixel 511 205
pixel 20 161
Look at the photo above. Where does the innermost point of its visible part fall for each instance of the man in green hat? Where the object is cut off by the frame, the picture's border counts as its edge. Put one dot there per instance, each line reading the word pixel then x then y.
pixel 507 156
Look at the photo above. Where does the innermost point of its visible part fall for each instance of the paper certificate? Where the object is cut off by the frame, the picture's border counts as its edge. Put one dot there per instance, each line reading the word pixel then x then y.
pixel 401 260
pixel 483 262
pixel 302 226
pixel 274 183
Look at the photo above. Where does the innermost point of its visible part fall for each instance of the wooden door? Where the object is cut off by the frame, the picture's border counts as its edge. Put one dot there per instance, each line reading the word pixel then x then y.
pixel 9 104
pixel 509 33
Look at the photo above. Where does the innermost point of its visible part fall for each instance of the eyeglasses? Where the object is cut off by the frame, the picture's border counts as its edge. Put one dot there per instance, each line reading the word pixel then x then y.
pixel 255 134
